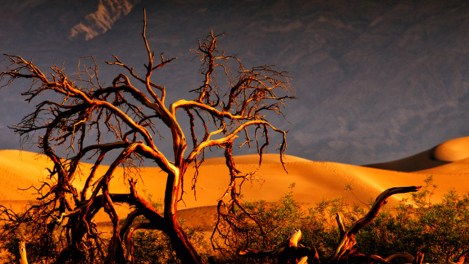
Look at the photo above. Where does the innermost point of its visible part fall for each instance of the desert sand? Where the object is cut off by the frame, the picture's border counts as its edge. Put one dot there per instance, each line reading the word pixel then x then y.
pixel 310 181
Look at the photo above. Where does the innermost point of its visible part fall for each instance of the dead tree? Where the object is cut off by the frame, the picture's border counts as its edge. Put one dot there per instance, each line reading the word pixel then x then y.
pixel 82 119
pixel 348 240
pixel 289 252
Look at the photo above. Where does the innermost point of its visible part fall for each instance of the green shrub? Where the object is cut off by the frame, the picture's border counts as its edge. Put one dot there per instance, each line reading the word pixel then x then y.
pixel 439 230
pixel 152 247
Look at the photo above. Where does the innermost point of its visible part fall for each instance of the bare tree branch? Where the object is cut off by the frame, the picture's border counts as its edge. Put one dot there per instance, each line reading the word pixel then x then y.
pixel 87 121
pixel 348 240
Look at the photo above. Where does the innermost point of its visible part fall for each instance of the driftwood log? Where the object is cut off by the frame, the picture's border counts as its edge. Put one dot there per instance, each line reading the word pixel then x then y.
pixel 290 252
pixel 348 241
pixel 294 252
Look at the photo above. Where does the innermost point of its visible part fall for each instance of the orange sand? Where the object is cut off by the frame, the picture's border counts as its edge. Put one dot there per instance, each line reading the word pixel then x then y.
pixel 313 181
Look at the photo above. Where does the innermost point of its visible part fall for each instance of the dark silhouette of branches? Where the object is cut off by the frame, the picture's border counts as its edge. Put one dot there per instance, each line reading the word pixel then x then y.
pixel 82 119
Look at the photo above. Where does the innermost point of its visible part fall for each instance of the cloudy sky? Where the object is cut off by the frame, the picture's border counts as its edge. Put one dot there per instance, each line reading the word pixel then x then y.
pixel 374 80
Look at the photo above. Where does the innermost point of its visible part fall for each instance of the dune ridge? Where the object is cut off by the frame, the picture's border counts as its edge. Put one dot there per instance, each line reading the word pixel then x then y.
pixel 452 150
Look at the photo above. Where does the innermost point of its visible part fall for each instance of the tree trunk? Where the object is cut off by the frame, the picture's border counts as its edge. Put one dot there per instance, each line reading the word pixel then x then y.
pixel 22 252
pixel 184 249
pixel 179 240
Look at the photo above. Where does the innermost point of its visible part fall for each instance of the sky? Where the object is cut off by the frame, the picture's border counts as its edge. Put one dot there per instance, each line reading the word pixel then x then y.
pixel 374 80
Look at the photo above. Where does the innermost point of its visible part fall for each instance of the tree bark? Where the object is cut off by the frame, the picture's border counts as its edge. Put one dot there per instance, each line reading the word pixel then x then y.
pixel 290 252
pixel 418 258
pixel 184 249
pixel 22 252
pixel 348 241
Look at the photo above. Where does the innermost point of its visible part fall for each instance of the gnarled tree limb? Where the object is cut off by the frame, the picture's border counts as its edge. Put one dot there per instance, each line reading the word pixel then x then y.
pixel 348 240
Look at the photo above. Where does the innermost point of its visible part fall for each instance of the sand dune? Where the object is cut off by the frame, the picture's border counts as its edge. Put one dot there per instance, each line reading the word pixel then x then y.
pixel 450 151
pixel 453 150
pixel 313 181
pixel 421 161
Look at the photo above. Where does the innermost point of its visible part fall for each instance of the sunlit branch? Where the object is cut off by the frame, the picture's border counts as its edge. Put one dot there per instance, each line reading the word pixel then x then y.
pixel 209 142
pixel 86 120
pixel 185 104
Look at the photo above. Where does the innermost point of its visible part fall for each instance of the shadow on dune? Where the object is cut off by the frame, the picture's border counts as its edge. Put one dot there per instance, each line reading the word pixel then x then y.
pixel 421 161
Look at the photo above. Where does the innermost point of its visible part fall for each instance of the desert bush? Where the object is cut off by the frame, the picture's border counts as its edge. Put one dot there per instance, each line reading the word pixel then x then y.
pixel 439 230
pixel 279 219
pixel 152 247
pixel 41 246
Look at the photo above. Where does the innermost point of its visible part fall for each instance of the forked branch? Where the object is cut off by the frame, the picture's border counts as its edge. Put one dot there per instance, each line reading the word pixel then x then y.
pixel 120 123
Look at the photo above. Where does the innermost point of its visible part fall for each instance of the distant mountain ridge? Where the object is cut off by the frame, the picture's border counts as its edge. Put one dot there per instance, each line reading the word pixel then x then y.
pixel 102 19
pixel 375 80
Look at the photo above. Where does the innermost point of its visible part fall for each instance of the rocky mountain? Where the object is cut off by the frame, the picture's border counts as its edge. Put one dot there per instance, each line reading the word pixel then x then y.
pixel 374 80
